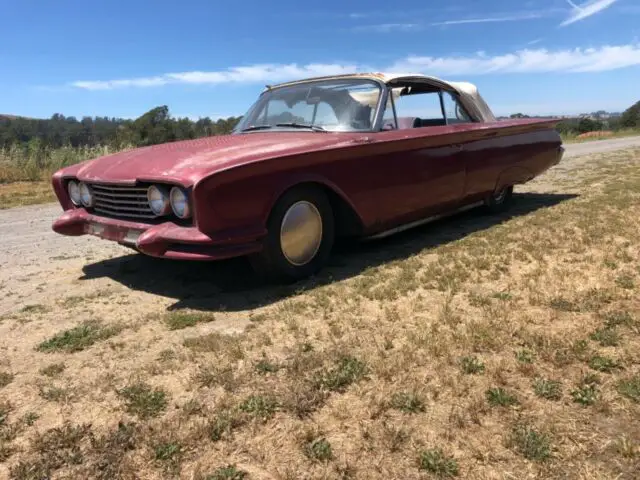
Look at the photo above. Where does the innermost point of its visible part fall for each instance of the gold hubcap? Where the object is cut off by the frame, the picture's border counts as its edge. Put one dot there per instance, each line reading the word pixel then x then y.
pixel 301 233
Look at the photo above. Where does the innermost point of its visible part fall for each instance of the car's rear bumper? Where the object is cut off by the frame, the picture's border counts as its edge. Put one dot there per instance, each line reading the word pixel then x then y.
pixel 165 240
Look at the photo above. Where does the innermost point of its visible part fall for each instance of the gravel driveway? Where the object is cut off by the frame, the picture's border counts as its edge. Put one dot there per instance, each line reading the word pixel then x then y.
pixel 37 265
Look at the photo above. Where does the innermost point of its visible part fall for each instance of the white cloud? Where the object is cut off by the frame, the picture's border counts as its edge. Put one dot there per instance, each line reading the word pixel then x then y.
pixel 111 84
pixel 610 57
pixel 580 12
pixel 247 74
pixel 527 61
pixel 412 27
pixel 387 28
pixel 506 18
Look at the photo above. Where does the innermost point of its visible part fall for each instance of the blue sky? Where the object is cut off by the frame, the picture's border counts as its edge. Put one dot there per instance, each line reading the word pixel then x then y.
pixel 211 58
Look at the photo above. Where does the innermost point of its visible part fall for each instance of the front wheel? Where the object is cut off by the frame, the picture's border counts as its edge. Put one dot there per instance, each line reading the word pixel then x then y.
pixel 500 200
pixel 300 236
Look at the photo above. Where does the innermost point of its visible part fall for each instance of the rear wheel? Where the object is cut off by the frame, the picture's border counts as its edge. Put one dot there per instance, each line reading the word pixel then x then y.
pixel 500 200
pixel 300 236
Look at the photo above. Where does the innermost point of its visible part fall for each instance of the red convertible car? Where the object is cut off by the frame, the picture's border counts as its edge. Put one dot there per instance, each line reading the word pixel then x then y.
pixel 350 155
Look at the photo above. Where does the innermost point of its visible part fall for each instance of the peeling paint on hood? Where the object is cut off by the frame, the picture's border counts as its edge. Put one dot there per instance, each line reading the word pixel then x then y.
pixel 186 162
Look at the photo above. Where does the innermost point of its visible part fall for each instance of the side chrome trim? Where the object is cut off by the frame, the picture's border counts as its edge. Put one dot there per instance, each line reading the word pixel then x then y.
pixel 417 223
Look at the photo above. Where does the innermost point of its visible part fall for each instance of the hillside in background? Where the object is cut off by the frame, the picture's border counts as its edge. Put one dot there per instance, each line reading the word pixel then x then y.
pixel 592 122
pixel 631 117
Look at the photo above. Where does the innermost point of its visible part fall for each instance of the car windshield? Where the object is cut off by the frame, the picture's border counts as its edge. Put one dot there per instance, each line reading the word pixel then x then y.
pixel 330 105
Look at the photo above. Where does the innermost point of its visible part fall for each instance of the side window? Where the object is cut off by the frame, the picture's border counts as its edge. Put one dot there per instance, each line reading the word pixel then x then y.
pixel 388 120
pixel 419 110
pixel 454 111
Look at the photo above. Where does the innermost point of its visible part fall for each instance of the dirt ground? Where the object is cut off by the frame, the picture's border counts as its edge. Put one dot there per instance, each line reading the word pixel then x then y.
pixel 188 370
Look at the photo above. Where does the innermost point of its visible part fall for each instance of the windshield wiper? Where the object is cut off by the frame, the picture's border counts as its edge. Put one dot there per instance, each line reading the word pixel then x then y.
pixel 315 128
pixel 256 127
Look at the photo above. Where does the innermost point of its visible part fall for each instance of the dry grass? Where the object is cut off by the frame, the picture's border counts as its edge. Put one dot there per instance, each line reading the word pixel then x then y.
pixel 29 164
pixel 574 138
pixel 479 348
pixel 25 174
pixel 25 193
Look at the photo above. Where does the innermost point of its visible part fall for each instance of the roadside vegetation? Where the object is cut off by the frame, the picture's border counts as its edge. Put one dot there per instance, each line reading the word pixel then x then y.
pixel 595 135
pixel 598 126
pixel 472 348
pixel 32 149
pixel 25 172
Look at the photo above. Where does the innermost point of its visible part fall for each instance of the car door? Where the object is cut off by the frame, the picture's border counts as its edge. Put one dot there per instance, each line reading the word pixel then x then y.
pixel 481 155
pixel 421 171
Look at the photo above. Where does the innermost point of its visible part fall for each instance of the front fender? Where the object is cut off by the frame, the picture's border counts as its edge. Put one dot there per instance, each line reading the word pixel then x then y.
pixel 243 197
pixel 302 179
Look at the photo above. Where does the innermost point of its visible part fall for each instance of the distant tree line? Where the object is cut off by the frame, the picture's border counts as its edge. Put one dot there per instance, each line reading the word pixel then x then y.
pixel 578 126
pixel 630 119
pixel 155 126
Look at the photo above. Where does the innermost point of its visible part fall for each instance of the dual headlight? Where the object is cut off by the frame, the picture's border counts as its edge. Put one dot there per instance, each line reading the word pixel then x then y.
pixel 162 199
pixel 80 194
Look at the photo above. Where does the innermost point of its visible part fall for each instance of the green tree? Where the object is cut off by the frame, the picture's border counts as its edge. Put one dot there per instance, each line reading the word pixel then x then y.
pixel 588 125
pixel 631 117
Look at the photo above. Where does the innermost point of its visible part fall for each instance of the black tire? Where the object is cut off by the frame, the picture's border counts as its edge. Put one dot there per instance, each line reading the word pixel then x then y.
pixel 271 263
pixel 500 201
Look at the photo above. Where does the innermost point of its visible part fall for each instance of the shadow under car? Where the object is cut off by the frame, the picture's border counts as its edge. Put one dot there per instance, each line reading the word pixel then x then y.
pixel 231 285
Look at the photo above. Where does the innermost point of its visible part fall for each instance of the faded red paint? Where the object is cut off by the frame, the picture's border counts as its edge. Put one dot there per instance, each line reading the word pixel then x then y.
pixel 387 178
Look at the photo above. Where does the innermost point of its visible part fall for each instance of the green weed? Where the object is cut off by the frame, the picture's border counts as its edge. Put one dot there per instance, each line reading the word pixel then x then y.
pixel 472 365
pixel 499 397
pixel 78 338
pixel 437 463
pixel 144 401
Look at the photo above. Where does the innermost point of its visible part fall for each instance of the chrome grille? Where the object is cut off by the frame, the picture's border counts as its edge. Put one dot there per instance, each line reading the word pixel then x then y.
pixel 121 201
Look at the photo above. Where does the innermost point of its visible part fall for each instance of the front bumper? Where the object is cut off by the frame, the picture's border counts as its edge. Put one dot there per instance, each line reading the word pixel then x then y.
pixel 165 240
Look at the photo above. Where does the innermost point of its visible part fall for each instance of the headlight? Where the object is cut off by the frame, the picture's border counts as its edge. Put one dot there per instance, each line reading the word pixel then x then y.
pixel 158 200
pixel 86 197
pixel 180 203
pixel 74 193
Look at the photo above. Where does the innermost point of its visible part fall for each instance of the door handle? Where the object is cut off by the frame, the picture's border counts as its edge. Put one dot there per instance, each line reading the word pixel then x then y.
pixel 458 146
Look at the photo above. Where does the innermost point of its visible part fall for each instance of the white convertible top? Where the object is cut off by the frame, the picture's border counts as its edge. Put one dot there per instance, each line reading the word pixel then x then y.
pixel 467 92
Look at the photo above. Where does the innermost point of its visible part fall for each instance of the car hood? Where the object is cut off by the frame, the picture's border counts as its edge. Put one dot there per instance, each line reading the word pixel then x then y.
pixel 186 162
